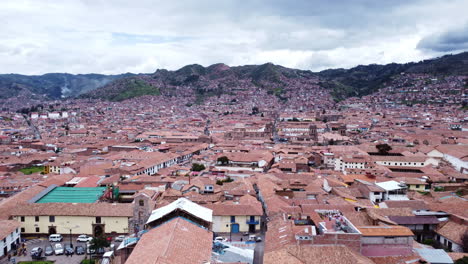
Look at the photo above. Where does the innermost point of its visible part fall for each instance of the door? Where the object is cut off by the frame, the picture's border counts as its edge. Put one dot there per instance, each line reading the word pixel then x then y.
pixel 52 230
pixel 235 228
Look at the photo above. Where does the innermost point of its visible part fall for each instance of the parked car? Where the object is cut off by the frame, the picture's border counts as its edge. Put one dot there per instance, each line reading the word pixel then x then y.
pixel 220 239
pixel 89 250
pixel 84 238
pixel 107 257
pixel 58 249
pixel 36 253
pixel 258 239
pixel 120 238
pixel 49 251
pixel 69 250
pixel 79 250
pixel 100 251
pixel 55 238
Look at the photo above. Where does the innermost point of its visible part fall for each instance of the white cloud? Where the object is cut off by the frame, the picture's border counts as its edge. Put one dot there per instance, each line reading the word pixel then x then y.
pixel 105 36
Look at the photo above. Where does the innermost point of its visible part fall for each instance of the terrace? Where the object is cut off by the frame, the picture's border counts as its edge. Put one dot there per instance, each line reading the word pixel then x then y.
pixel 335 222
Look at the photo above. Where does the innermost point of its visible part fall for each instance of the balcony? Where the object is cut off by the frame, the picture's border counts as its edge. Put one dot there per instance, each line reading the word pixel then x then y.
pixel 252 222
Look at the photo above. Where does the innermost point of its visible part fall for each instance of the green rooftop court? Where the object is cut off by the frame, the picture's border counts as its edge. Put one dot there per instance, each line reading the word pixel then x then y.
pixel 72 195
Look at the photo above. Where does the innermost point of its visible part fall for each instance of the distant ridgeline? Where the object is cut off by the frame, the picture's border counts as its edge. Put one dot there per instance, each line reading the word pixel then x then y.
pixel 215 80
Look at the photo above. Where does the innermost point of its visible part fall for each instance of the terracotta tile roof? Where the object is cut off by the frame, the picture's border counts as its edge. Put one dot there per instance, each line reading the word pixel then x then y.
pixel 456 255
pixel 7 227
pixel 74 209
pixel 397 260
pixel 385 231
pixel 452 231
pixel 315 254
pixel 174 242
pixel 236 209
pixel 8 205
pixel 413 204
pixel 458 208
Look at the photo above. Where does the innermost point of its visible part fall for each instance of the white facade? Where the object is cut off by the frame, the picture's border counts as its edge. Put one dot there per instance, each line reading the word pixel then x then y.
pixel 341 165
pixel 402 163
pixel 460 165
pixel 449 243
pixel 8 241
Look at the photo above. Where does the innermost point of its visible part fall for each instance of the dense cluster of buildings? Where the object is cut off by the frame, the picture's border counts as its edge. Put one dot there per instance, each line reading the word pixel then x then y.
pixel 241 179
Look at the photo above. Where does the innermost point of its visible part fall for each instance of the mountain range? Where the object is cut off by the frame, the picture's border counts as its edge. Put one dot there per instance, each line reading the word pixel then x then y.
pixel 219 78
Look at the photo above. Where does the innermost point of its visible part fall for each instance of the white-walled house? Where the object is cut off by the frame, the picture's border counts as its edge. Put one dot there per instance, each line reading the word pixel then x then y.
pixel 449 234
pixel 457 155
pixel 10 236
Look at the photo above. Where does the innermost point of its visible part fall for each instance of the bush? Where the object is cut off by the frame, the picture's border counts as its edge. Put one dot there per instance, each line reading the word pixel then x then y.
pixel 429 242
pixel 223 160
pixel 197 167
pixel 221 182
pixel 463 260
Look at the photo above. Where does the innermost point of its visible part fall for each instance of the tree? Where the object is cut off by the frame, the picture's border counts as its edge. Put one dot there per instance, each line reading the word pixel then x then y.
pixel 223 160
pixel 99 242
pixel 254 110
pixel 383 148
pixel 197 167
pixel 221 182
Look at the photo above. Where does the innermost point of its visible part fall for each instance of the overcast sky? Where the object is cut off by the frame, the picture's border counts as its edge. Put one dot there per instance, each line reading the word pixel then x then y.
pixel 115 36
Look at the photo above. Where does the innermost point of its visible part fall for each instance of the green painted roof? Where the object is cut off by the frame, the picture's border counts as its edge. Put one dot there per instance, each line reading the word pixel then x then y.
pixel 72 195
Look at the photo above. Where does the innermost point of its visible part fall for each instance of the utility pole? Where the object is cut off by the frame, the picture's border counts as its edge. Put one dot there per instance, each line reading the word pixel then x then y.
pixel 71 245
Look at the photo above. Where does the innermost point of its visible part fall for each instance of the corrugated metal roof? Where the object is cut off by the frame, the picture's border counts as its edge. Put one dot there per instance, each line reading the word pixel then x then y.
pixel 185 205
pixel 73 195
pixel 434 255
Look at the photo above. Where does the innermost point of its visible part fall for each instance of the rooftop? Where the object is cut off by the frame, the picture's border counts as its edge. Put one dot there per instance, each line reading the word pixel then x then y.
pixel 72 195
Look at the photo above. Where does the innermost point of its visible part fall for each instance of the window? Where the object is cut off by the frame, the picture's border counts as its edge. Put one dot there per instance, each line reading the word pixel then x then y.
pixel 37 230
pixel 233 219
pixel 376 193
pixel 36 218
pixel 98 219
pixel 450 245
pixel 22 230
pixel 141 202
pixel 417 185
pixel 51 218
pixel 22 218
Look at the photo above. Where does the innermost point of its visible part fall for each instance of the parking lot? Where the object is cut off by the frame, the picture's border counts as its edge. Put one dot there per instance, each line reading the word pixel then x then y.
pixel 61 259
pixel 42 243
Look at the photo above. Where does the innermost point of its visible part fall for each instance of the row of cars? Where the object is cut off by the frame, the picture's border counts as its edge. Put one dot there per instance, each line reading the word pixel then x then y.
pixel 67 249
pixel 56 249
pixel 81 238
pixel 254 238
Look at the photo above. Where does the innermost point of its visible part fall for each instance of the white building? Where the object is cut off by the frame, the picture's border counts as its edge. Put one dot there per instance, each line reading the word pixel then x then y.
pixel 457 155
pixel 10 236
pixel 54 115
pixel 393 190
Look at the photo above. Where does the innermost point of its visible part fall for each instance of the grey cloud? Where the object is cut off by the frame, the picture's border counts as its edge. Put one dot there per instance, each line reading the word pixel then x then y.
pixel 112 36
pixel 453 40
